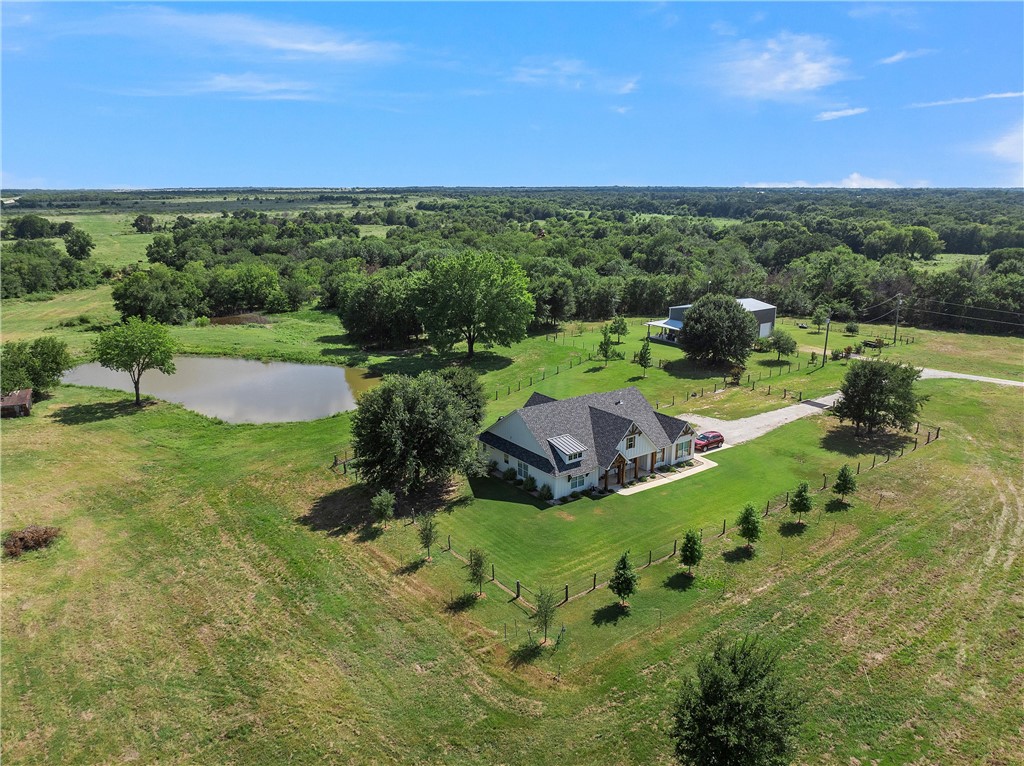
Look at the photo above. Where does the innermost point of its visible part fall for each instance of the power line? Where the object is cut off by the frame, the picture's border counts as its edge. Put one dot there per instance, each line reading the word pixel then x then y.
pixel 964 305
pixel 887 300
pixel 883 316
pixel 968 316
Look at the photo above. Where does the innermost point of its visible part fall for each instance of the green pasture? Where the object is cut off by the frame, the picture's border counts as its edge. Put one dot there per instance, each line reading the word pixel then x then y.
pixel 218 596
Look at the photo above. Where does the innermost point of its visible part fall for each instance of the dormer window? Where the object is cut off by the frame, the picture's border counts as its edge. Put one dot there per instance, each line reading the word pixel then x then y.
pixel 571 449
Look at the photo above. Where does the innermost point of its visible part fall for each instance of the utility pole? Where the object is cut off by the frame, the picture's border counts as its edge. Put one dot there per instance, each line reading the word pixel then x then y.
pixel 824 351
pixel 899 302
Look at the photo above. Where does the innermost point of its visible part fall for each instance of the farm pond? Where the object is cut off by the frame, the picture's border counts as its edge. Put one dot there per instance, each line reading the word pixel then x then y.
pixel 242 390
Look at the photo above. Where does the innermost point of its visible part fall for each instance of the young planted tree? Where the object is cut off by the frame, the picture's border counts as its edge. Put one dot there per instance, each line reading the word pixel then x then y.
pixel 749 524
pixel 624 579
pixel 782 342
pixel 545 604
pixel 619 327
pixel 718 330
pixel 382 506
pixel 428 532
pixel 644 357
pixel 692 551
pixel 737 710
pixel 846 483
pixel 475 296
pixel 475 569
pixel 604 348
pixel 801 503
pixel 819 317
pixel 134 347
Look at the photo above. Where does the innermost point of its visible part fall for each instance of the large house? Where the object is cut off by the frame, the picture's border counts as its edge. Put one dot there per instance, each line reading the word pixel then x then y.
pixel 587 441
pixel 670 328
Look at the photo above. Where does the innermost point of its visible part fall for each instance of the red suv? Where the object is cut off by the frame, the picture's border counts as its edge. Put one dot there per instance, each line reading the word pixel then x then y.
pixel 707 440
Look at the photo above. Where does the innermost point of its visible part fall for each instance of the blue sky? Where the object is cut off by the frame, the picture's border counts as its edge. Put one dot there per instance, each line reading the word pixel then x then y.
pixel 506 94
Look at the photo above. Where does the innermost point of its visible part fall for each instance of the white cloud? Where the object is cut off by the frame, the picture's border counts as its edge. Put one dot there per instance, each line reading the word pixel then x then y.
pixel 968 100
pixel 621 109
pixel 852 181
pixel 724 28
pixel 904 55
pixel 840 113
pixel 1010 145
pixel 255 86
pixel 247 86
pixel 570 74
pixel 235 30
pixel 782 68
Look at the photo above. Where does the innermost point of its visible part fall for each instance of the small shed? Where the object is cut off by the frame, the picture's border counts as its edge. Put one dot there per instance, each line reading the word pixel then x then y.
pixel 669 329
pixel 16 403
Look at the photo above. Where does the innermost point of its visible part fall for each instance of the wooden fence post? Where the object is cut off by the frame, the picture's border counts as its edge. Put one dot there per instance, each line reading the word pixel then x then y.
pixel 858 466
pixel 873 459
pixel 566 592
pixel 517 588
pixel 723 526
pixel 650 557
pixel 675 547
pixel 767 506
pixel 937 430
pixel 915 445
pixel 594 587
pixel 449 542
pixel 824 481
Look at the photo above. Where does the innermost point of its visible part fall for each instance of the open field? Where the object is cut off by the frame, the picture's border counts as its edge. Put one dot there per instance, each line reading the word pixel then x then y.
pixel 218 598
pixel 949 261
pixel 997 356
pixel 117 243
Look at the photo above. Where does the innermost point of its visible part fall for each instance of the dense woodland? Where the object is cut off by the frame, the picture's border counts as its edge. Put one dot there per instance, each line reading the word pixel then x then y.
pixel 588 253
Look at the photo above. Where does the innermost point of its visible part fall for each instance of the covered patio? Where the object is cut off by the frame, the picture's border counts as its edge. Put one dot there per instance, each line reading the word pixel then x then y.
pixel 667 330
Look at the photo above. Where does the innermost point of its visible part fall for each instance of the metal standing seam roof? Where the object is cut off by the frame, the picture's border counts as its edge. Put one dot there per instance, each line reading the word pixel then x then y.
pixel 598 422
pixel 567 444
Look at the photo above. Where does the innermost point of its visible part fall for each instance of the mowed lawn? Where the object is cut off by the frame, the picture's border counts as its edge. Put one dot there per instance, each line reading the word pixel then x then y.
pixel 553 546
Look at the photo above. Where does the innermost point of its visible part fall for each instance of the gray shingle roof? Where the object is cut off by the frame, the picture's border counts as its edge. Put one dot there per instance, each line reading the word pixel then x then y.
pixel 598 421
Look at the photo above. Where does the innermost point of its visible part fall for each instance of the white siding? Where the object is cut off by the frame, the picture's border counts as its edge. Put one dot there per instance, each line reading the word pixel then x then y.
pixel 644 446
pixel 766 329
pixel 513 429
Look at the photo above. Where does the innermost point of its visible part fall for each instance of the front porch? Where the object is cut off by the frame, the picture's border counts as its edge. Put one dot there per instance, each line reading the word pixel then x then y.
pixel 623 471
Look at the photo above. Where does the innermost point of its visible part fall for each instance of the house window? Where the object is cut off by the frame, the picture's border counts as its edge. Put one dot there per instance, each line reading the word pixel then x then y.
pixel 630 442
pixel 522 469
pixel 577 482
pixel 506 456
pixel 680 449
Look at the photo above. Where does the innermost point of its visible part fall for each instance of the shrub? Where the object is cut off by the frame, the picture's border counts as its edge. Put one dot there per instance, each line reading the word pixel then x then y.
pixel 575 494
pixel 202 322
pixel 814 357
pixel 18 541
pixel 492 466
pixel 848 352
pixel 545 492
pixel 529 484
pixel 852 328
pixel 859 348
pixel 519 482
pixel 510 474
pixel 837 354
pixel 736 373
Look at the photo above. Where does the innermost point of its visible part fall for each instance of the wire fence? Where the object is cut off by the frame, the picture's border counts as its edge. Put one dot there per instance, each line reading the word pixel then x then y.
pixel 579 587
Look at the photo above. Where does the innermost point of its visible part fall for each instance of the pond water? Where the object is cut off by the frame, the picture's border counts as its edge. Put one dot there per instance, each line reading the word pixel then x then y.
pixel 242 390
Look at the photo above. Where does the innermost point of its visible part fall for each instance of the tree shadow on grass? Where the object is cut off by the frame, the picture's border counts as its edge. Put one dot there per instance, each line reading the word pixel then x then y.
pixel 680 581
pixel 835 505
pixel 597 368
pixel 524 654
pixel 738 555
pixel 792 529
pixel 412 567
pixel 635 378
pixel 610 614
pixel 842 439
pixel 80 414
pixel 685 368
pixel 461 603
pixel 343 512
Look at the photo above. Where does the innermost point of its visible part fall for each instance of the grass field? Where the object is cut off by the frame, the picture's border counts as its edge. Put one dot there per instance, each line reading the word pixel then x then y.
pixel 218 599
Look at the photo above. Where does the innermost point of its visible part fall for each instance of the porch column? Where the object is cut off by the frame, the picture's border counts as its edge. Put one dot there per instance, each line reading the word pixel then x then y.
pixel 654 456
pixel 606 481
pixel 636 468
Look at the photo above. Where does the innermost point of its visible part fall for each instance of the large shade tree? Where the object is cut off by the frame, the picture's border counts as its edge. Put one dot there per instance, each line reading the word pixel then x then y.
pixel 135 347
pixel 718 330
pixel 408 430
pixel 879 394
pixel 38 365
pixel 475 296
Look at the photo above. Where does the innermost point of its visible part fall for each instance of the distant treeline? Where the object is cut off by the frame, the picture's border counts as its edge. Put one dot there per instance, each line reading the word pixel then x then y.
pixel 594 253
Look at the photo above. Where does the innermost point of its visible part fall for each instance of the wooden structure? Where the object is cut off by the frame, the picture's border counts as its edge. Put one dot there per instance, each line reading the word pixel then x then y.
pixel 16 404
